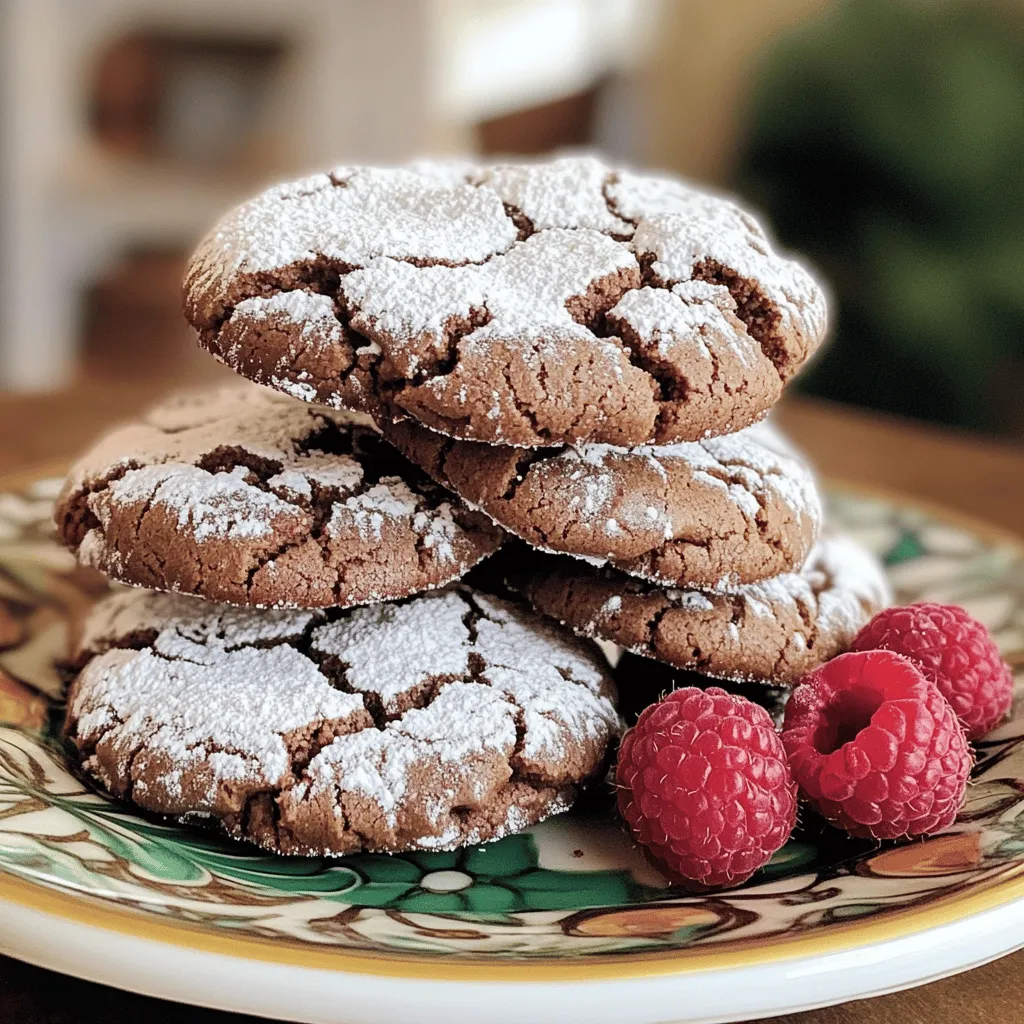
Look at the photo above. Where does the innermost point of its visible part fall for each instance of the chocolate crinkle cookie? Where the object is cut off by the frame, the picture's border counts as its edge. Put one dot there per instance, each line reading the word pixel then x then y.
pixel 724 511
pixel 520 304
pixel 772 632
pixel 245 496
pixel 448 719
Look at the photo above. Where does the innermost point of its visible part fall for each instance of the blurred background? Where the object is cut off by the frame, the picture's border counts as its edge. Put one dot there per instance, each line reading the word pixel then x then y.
pixel 884 139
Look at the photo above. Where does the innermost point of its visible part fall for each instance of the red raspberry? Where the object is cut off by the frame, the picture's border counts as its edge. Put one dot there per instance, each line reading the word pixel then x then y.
pixel 704 786
pixel 955 652
pixel 876 749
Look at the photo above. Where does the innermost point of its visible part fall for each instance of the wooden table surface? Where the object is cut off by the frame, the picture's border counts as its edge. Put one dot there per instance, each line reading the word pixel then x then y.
pixel 977 477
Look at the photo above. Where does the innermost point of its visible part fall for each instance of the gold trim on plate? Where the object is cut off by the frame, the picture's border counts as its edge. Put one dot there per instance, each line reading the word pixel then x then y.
pixel 1002 890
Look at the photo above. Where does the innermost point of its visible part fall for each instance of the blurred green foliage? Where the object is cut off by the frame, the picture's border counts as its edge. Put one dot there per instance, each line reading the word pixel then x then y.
pixel 886 142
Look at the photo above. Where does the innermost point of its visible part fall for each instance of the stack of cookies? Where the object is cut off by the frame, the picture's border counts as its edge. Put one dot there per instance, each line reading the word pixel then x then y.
pixel 564 358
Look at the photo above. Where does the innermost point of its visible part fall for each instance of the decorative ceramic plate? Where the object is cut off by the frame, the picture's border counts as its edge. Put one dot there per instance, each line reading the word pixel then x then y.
pixel 563 923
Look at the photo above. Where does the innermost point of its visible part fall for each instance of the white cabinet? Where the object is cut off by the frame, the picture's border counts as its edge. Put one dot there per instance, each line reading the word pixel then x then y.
pixel 375 80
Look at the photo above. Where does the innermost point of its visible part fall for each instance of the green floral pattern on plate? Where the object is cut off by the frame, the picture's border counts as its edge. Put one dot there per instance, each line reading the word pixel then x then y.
pixel 572 886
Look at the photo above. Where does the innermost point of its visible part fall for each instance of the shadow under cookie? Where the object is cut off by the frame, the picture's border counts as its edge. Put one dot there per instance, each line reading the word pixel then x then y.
pixel 642 682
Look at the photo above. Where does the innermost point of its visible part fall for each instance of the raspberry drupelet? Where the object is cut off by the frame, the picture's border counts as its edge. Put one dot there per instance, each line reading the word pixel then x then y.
pixel 875 747
pixel 955 652
pixel 704 786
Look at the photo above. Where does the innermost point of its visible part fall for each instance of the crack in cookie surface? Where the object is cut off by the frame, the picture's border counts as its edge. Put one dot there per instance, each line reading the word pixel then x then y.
pixel 239 495
pixel 446 719
pixel 458 289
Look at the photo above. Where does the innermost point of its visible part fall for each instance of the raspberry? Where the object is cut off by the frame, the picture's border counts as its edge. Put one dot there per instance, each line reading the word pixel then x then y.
pixel 704 786
pixel 875 748
pixel 955 652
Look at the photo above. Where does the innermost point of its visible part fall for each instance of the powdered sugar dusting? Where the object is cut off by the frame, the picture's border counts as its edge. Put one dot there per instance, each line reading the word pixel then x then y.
pixel 835 587
pixel 402 213
pixel 185 428
pixel 390 649
pixel 692 322
pixel 439 532
pixel 299 305
pixel 682 227
pixel 392 498
pixel 317 327
pixel 749 467
pixel 246 467
pixel 564 193
pixel 394 301
pixel 516 641
pixel 209 505
pixel 297 389
pixel 210 705
pixel 133 699
pixel 770 632
pixel 462 724
pixel 692 599
pixel 543 672
pixel 838 589
pixel 855 580
pixel 340 473
pixel 521 293
pixel 437 262
pixel 125 613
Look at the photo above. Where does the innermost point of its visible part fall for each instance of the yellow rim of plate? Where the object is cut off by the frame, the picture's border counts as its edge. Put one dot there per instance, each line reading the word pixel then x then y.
pixel 998 890
pixel 839 938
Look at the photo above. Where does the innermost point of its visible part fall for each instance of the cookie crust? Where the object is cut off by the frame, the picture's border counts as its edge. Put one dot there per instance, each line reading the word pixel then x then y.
pixel 725 511
pixel 529 305
pixel 447 719
pixel 244 496
pixel 773 632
